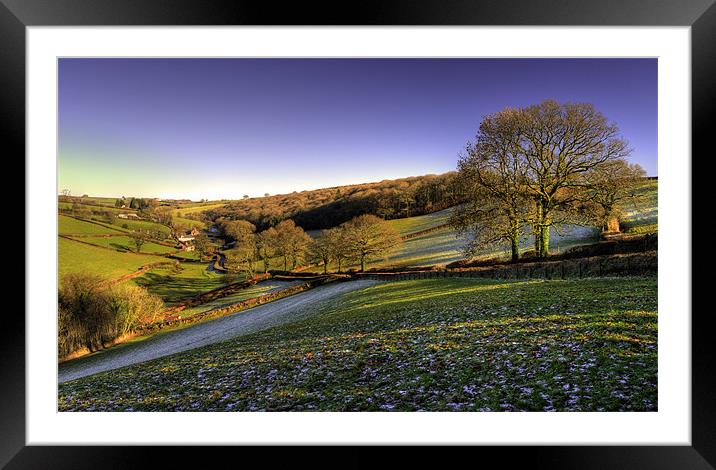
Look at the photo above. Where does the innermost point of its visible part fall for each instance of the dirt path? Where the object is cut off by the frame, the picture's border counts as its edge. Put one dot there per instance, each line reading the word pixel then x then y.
pixel 238 324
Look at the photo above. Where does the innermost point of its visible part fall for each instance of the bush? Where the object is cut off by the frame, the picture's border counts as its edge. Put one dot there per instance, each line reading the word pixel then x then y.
pixel 91 314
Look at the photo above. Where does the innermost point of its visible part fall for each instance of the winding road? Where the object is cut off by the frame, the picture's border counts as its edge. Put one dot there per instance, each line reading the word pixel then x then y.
pixel 242 323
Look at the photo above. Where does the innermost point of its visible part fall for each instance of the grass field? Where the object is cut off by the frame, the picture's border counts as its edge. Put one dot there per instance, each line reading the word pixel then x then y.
pixel 643 217
pixel 76 257
pixel 95 208
pixel 421 222
pixel 177 284
pixel 71 226
pixel 143 225
pixel 194 208
pixel 250 292
pixel 123 243
pixel 436 345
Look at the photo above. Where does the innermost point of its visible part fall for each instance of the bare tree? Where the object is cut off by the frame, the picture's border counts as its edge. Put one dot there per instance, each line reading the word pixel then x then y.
pixel 244 254
pixel 560 143
pixel 369 237
pixel 492 174
pixel 337 238
pixel 291 243
pixel 322 250
pixel 266 245
pixel 609 188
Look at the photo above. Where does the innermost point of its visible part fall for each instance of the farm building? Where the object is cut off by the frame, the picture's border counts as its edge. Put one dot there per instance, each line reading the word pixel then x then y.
pixel 130 215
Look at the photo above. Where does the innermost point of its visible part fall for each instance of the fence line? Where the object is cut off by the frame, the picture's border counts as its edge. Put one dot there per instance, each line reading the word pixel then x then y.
pixel 633 264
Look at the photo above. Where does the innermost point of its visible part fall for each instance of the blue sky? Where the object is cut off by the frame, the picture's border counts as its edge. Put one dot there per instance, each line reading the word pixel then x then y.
pixel 222 128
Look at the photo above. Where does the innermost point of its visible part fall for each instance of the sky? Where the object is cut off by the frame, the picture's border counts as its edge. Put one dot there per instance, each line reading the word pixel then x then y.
pixel 223 128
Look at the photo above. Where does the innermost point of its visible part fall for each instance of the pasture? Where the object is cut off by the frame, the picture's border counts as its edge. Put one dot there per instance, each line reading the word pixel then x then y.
pixel 77 257
pixel 643 215
pixel 71 226
pixel 143 226
pixel 125 243
pixel 181 282
pixel 250 292
pixel 453 344
pixel 94 208
pixel 421 222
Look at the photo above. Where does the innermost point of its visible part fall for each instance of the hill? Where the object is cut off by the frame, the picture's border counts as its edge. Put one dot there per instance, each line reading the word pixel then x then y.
pixel 431 345
pixel 328 207
pixel 77 257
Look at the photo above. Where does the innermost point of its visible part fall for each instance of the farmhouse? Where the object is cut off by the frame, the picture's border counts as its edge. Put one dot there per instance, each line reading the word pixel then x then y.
pixel 130 215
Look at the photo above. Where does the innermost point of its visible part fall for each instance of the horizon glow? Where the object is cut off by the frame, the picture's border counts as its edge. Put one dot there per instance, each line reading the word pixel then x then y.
pixel 222 128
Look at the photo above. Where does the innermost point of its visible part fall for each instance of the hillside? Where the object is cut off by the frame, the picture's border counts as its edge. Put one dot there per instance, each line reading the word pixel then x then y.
pixel 432 345
pixel 77 257
pixel 444 245
pixel 328 207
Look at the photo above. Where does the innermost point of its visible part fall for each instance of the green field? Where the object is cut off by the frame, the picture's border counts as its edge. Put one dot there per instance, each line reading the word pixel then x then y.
pixel 434 345
pixel 143 225
pixel 194 208
pixel 95 208
pixel 643 216
pixel 182 283
pixel 76 257
pixel 250 292
pixel 421 222
pixel 71 226
pixel 125 243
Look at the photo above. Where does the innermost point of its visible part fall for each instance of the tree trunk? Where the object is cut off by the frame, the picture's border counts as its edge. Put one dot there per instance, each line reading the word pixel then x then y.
pixel 362 263
pixel 325 266
pixel 538 240
pixel 339 264
pixel 544 241
pixel 515 249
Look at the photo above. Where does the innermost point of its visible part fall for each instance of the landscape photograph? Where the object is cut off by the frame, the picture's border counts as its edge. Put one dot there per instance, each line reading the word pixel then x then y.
pixel 357 234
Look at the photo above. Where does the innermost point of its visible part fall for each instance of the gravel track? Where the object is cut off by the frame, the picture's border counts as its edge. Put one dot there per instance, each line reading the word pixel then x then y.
pixel 242 323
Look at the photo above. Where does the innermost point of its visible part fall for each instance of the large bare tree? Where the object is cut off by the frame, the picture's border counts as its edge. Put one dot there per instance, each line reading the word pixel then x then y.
pixel 560 143
pixel 492 173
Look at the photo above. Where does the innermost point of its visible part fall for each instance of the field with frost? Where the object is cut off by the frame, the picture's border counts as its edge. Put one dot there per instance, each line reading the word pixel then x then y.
pixel 424 345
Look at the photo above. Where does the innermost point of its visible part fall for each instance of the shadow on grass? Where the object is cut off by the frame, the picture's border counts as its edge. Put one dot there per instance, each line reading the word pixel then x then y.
pixel 173 288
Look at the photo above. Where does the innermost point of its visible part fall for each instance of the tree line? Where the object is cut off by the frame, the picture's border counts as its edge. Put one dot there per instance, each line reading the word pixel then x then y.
pixel 361 240
pixel 330 207
pixel 542 166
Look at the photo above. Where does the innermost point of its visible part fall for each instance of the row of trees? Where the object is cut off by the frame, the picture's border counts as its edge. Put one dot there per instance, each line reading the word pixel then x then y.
pixel 541 166
pixel 360 240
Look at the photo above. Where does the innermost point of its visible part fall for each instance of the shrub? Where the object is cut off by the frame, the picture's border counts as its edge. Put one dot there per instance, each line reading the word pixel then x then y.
pixel 90 314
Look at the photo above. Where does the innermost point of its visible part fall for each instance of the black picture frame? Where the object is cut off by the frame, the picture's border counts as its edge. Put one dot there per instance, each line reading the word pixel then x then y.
pixel 16 15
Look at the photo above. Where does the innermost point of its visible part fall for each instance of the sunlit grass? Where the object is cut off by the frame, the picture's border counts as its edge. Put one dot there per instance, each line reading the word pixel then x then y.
pixel 125 243
pixel 71 226
pixel 451 344
pixel 76 257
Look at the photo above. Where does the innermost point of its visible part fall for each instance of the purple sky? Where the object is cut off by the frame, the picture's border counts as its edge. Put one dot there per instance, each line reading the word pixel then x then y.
pixel 221 128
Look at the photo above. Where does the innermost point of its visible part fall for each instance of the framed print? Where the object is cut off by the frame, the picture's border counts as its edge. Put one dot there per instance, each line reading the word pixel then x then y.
pixel 418 225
